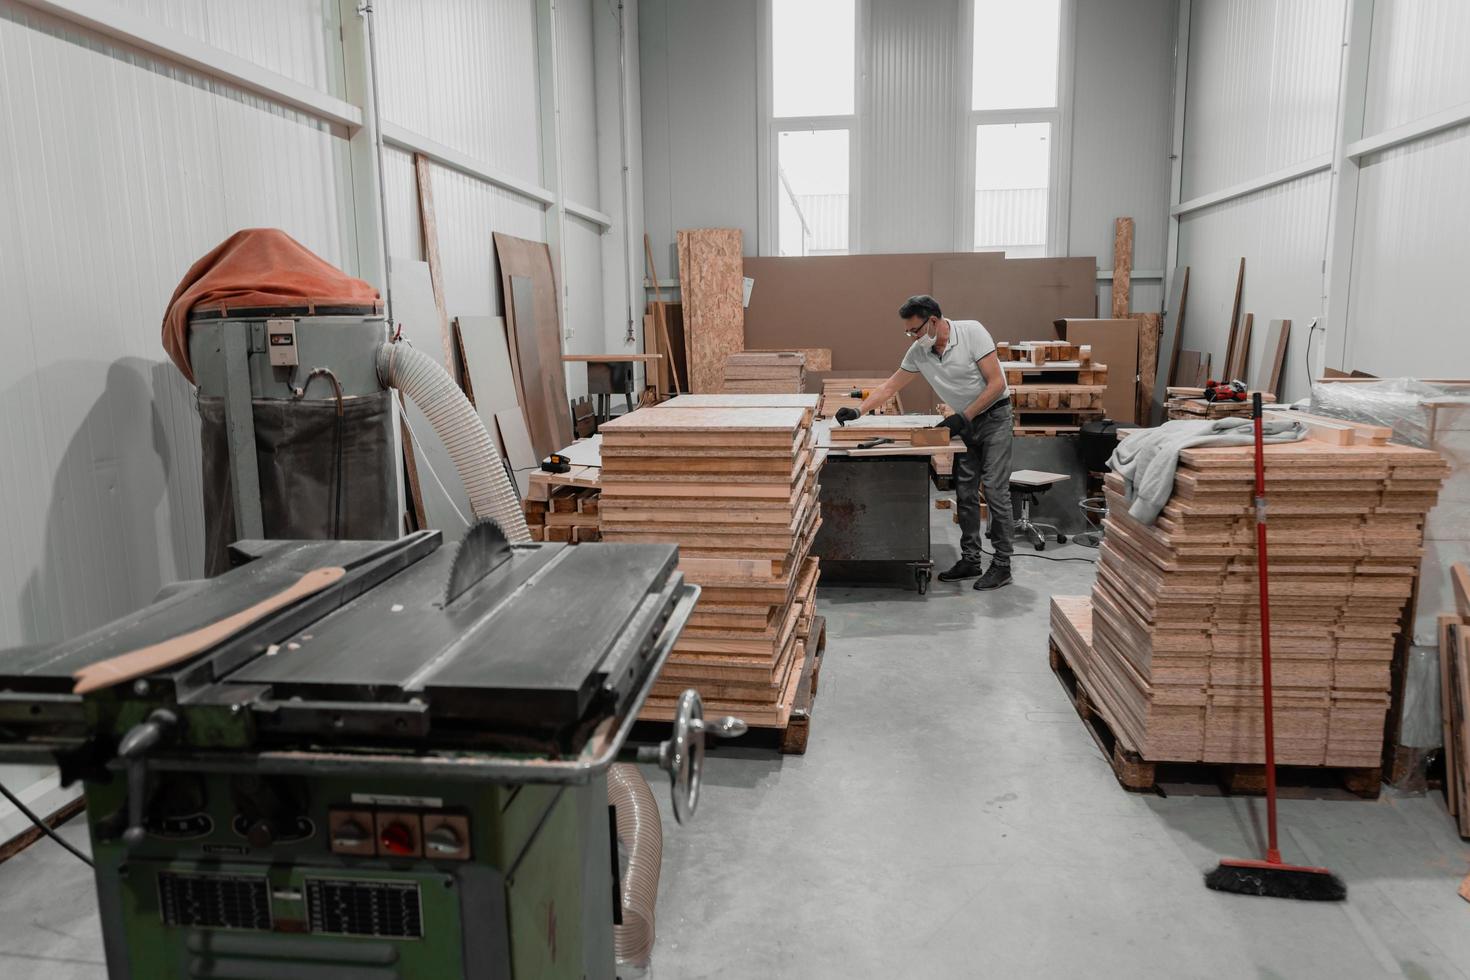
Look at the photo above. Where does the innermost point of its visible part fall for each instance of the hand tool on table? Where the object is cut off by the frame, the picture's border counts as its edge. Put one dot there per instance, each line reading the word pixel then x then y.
pixel 871 443
pixel 365 757
pixel 1271 877
pixel 556 463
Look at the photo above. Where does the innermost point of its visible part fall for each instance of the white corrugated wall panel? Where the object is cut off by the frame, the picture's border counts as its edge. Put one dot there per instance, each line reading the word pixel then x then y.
pixel 120 172
pixel 909 170
pixel 463 73
pixel 297 38
pixel 1280 232
pixel 578 100
pixel 1120 159
pixel 582 249
pixel 1262 88
pixel 1406 314
pixel 1420 62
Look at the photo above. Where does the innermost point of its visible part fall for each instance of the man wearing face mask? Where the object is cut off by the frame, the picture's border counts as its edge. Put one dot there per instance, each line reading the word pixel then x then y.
pixel 958 359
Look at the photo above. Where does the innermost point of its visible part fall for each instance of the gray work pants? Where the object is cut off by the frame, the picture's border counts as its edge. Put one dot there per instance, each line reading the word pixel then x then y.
pixel 987 464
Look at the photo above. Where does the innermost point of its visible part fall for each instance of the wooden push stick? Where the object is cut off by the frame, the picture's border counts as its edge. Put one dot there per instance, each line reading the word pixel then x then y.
pixel 663 323
pixel 136 663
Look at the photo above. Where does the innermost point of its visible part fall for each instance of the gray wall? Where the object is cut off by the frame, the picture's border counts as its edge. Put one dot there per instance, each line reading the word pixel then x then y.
pixel 701 124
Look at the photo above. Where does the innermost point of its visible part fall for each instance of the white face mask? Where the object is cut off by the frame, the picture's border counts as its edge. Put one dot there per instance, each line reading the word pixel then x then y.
pixel 926 342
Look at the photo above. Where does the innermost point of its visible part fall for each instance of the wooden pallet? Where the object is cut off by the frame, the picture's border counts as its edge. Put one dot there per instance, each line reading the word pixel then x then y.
pixel 798 729
pixel 1138 775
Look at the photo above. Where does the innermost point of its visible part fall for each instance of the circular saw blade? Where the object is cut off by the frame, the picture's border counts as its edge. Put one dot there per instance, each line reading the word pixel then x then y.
pixel 483 549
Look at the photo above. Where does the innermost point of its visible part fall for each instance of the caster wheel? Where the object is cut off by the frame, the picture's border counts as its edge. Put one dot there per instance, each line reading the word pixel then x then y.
pixel 922 581
pixel 1061 539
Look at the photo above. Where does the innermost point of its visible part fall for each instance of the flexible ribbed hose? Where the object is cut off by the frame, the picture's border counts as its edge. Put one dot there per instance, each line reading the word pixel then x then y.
pixel 641 832
pixel 470 447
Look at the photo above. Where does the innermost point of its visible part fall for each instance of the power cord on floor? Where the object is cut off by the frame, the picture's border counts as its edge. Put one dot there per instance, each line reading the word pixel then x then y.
pixel 1027 554
pixel 41 825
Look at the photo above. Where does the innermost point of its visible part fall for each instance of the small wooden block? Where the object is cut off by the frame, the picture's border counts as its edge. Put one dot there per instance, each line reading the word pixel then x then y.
pixel 929 437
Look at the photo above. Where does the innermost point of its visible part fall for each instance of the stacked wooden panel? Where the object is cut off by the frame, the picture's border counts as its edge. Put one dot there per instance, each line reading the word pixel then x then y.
pixel 735 486
pixel 1174 658
pixel 838 393
pixel 1055 386
pixel 768 372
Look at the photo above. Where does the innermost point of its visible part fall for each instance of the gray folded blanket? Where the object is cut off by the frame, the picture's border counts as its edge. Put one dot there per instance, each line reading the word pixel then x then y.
pixel 1147 458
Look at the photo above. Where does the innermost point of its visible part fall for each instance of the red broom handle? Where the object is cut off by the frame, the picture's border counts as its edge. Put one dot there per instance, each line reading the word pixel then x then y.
pixel 1273 852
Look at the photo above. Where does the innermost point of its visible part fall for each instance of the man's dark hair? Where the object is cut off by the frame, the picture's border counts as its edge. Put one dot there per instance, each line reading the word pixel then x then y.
pixel 922 305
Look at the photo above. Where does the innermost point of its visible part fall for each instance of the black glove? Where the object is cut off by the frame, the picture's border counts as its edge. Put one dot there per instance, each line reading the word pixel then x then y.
pixel 955 424
pixel 845 414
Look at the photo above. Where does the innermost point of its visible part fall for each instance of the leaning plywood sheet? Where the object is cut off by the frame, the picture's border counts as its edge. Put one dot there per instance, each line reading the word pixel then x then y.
pixel 1150 326
pixel 535 339
pixel 487 365
pixel 1114 343
pixel 1172 341
pixel 1273 358
pixel 711 288
pixel 446 505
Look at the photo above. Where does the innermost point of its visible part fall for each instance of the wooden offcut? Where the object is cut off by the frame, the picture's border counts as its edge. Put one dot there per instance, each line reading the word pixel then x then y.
pixel 1235 368
pixel 1122 265
pixel 1234 327
pixel 711 287
pixel 1174 331
pixel 429 231
pixel 1150 327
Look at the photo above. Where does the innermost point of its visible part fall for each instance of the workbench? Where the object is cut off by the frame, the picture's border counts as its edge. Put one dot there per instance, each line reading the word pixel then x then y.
pixel 876 508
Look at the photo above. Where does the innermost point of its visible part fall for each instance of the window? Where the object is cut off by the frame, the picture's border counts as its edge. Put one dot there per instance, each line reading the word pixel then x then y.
pixel 811 122
pixel 1015 115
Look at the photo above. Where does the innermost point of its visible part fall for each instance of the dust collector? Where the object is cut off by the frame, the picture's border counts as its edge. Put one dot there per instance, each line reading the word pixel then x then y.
pixel 294 367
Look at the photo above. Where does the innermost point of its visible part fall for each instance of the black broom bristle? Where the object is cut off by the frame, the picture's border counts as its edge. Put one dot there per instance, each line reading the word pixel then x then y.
pixel 1277 882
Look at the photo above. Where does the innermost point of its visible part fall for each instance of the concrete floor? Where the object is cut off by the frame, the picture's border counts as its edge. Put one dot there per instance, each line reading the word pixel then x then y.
pixel 952 818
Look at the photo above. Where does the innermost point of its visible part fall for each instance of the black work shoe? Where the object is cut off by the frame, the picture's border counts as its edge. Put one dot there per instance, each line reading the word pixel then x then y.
pixel 960 570
pixel 995 576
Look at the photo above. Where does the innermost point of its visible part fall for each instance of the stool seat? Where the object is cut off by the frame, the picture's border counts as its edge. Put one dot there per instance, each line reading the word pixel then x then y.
pixel 1029 484
pixel 1036 479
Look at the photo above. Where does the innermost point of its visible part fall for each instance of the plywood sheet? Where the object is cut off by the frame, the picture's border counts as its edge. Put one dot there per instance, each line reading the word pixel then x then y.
pixel 515 443
pixel 711 288
pixel 1115 344
pixel 535 340
pixel 416 313
pixel 817 358
pixel 1235 368
pixel 1173 337
pixel 1273 358
pixel 1150 327
pixel 1016 299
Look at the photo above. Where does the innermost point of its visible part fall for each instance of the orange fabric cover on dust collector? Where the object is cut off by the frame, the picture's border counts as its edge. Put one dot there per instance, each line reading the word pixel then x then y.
pixel 252 269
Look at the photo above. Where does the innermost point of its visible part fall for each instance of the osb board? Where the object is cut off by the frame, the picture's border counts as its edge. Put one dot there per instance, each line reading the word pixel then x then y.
pixel 1114 343
pixel 535 347
pixel 711 288
pixel 1122 265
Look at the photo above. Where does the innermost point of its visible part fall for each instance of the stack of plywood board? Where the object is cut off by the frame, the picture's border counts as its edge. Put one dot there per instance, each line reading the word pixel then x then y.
pixel 1055 386
pixel 769 372
pixel 1173 662
pixel 731 479
pixel 838 393
pixel 902 430
pixel 1189 403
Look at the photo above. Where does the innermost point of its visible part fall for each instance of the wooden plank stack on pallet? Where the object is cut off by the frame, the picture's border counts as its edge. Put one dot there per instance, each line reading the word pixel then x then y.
pixel 570 514
pixel 735 487
pixel 1055 386
pixel 1173 661
pixel 837 393
pixel 769 372
pixel 1189 403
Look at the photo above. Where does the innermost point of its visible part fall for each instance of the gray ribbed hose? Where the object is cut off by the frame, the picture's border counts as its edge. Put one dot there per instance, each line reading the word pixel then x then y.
pixel 642 835
pixel 470 447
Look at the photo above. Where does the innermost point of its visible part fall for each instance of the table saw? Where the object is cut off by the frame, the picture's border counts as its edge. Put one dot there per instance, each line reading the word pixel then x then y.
pixel 401 774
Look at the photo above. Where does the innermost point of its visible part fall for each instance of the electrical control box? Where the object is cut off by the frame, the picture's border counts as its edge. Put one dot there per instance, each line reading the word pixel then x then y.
pixel 280 341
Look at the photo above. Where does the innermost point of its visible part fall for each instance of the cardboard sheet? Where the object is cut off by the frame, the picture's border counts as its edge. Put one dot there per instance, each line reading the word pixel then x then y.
pixel 1114 343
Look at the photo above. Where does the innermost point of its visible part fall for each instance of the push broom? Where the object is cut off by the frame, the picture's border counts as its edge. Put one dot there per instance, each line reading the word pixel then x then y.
pixel 1271 877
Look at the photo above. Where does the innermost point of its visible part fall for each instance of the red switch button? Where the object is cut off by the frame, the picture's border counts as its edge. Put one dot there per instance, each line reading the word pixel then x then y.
pixel 399 834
